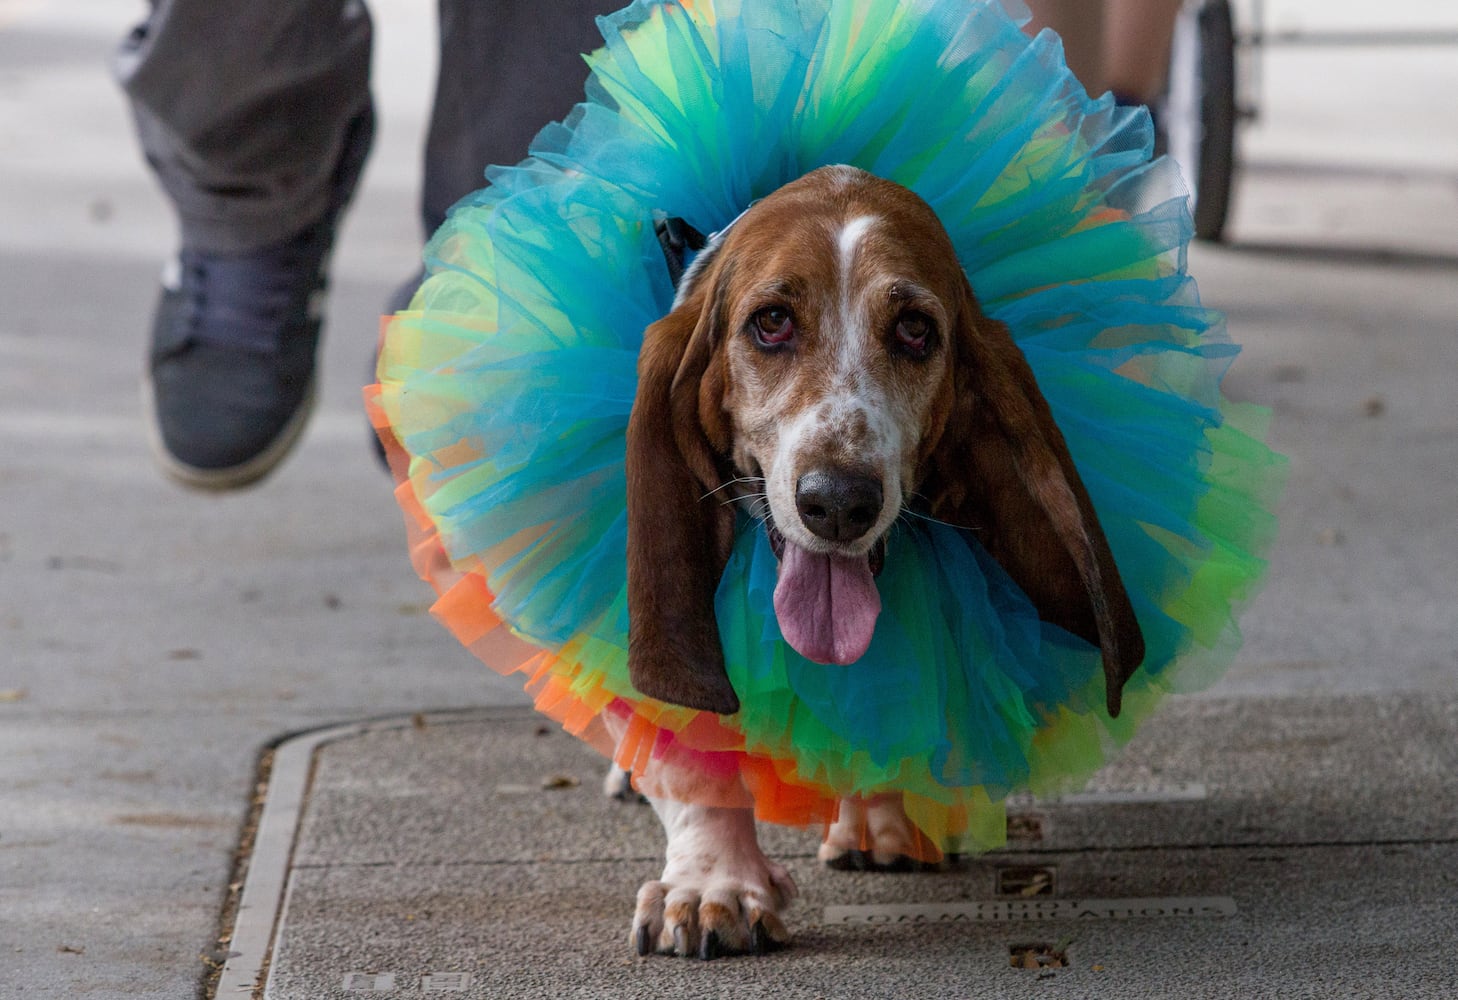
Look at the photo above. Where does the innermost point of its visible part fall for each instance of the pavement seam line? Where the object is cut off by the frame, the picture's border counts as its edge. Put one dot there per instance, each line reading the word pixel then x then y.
pixel 262 903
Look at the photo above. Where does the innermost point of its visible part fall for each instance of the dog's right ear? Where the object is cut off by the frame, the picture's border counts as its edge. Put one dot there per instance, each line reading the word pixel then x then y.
pixel 1003 470
pixel 680 530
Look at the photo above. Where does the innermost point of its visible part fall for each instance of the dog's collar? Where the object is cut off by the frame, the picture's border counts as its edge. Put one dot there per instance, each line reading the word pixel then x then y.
pixel 681 242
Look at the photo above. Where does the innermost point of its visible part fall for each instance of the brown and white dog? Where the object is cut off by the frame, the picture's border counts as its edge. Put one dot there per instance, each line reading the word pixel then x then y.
pixel 826 361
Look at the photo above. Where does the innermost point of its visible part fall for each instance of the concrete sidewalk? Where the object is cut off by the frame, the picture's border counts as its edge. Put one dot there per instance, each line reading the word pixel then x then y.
pixel 153 641
pixel 1289 847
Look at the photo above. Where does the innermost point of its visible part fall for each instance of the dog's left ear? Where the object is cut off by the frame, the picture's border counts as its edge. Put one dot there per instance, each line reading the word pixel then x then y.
pixel 680 529
pixel 1002 469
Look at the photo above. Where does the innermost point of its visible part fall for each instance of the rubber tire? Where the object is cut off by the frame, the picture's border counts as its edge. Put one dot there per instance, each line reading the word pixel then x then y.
pixel 1218 115
pixel 1199 113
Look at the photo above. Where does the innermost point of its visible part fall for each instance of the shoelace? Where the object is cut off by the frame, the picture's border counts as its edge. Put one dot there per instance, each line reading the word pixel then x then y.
pixel 247 301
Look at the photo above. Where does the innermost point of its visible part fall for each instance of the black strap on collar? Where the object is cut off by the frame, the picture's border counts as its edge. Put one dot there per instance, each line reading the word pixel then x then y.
pixel 678 239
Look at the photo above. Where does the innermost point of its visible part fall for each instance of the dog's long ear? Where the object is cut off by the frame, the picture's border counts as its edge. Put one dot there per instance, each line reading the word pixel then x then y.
pixel 1001 467
pixel 680 530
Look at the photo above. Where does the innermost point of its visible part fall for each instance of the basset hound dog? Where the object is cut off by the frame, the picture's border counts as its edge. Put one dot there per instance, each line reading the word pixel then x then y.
pixel 827 364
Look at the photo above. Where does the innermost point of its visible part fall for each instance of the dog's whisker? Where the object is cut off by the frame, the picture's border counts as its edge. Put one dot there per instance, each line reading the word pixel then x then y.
pixel 743 498
pixel 732 482
pixel 907 513
pixel 752 501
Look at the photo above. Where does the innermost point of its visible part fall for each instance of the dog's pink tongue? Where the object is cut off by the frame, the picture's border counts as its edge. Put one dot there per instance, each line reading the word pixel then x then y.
pixel 826 605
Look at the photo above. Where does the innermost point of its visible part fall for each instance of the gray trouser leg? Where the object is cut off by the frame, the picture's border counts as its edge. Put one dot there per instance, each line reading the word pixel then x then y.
pixel 507 69
pixel 242 107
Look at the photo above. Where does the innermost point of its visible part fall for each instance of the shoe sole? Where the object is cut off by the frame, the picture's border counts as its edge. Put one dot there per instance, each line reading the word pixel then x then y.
pixel 232 477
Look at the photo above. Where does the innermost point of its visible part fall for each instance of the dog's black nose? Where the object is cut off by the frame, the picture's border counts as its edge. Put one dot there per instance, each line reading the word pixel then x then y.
pixel 838 506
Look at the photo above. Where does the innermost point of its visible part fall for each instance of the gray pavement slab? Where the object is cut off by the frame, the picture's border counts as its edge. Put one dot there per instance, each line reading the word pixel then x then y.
pixel 1291 847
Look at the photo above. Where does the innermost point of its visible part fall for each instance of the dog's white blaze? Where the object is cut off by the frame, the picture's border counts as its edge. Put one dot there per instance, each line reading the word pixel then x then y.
pixel 851 340
pixel 852 234
pixel 850 357
pixel 849 242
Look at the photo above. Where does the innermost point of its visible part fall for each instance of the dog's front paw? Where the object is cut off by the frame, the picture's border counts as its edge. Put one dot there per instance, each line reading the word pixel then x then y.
pixel 719 894
pixel 716 918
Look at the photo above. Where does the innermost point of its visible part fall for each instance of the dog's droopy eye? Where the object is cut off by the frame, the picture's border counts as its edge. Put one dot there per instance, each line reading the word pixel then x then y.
pixel 772 326
pixel 913 334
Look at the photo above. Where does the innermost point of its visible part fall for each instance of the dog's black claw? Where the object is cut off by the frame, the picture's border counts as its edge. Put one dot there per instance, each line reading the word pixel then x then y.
pixel 865 861
pixel 644 943
pixel 760 941
pixel 949 862
pixel 709 947
pixel 626 792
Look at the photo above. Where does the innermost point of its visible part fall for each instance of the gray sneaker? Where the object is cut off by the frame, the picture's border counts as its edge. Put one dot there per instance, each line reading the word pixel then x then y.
pixel 230 380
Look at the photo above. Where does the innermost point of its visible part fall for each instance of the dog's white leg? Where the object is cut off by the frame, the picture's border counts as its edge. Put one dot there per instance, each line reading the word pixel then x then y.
pixel 719 894
pixel 871 833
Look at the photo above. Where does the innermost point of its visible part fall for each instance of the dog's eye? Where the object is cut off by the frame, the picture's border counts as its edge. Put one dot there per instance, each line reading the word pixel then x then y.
pixel 773 326
pixel 914 334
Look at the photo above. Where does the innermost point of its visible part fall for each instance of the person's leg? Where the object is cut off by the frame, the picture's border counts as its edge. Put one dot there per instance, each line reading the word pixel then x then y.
pixel 1080 23
pixel 243 108
pixel 507 69
pixel 1116 46
pixel 257 120
pixel 1136 43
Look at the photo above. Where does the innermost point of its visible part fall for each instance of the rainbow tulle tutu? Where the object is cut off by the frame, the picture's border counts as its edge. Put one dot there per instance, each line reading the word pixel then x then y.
pixel 504 394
